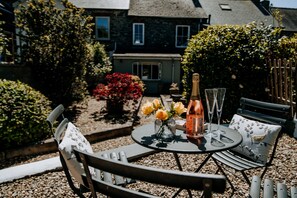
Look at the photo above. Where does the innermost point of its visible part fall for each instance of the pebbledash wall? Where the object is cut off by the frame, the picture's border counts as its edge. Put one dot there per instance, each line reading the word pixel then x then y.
pixel 158 49
pixel 169 69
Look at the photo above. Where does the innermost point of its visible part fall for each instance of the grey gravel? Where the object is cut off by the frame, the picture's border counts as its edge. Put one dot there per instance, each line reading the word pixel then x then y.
pixel 54 184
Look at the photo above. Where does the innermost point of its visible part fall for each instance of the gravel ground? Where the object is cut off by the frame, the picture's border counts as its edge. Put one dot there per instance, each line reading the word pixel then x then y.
pixel 54 184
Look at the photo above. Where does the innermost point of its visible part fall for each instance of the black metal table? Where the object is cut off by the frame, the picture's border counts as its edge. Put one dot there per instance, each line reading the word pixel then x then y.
pixel 145 136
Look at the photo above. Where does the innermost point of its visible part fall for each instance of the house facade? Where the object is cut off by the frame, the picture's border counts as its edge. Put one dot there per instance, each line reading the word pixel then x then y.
pixel 146 37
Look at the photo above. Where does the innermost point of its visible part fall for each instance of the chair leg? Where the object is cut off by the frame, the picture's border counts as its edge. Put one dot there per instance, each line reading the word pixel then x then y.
pixel 264 171
pixel 246 178
pixel 223 172
pixel 69 179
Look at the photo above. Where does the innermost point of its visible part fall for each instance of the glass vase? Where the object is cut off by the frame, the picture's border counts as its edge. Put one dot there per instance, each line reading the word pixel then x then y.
pixel 165 129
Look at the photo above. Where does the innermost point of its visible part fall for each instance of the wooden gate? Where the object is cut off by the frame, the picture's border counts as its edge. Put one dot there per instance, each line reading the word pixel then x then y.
pixel 282 82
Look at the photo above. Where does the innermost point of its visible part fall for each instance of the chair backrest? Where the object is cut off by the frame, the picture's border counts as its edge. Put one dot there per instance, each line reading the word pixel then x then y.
pixel 58 132
pixel 185 180
pixel 267 112
pixel 68 167
pixel 54 116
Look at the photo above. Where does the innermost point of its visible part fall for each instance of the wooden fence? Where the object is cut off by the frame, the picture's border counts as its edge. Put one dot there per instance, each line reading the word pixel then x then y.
pixel 282 82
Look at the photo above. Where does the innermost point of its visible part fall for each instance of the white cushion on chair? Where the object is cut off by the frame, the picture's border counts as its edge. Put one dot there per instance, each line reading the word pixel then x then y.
pixel 74 139
pixel 258 137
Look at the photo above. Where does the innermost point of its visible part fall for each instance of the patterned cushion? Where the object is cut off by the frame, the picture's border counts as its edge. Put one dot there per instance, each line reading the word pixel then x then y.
pixel 258 138
pixel 74 139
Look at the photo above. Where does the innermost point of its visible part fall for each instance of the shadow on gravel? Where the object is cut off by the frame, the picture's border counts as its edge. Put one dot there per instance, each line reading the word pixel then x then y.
pixel 103 115
pixel 122 118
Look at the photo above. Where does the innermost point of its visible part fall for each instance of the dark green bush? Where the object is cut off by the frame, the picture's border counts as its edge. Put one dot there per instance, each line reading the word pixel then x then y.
pixel 287 48
pixel 57 48
pixel 99 64
pixel 23 113
pixel 233 57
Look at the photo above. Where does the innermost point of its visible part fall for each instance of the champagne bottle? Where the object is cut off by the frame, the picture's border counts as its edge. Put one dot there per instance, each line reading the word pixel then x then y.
pixel 195 112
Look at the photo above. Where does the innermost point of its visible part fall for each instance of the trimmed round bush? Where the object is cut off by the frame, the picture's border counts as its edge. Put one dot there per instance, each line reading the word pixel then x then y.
pixel 231 56
pixel 23 113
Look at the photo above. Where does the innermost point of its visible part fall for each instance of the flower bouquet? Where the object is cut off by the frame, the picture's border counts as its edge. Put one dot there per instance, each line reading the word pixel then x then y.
pixel 165 125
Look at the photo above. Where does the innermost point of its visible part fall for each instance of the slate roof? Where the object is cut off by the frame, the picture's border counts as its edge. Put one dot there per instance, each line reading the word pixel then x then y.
pixel 289 18
pixel 102 4
pixel 242 12
pixel 166 8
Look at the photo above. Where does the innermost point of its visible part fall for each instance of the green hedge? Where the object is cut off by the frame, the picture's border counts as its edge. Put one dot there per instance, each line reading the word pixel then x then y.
pixel 233 57
pixel 23 113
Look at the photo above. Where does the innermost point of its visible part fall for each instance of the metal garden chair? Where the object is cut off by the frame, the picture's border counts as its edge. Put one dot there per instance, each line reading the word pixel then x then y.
pixel 265 112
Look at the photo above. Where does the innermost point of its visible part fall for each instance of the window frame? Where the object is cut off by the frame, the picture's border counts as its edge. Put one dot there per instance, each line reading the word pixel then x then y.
pixel 176 35
pixel 108 27
pixel 140 70
pixel 133 33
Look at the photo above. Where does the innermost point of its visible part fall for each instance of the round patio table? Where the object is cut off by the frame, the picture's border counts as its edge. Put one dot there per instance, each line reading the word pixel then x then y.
pixel 145 136
pixel 210 143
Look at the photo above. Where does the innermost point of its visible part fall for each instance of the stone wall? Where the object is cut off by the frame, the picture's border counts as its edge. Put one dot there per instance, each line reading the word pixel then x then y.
pixel 159 32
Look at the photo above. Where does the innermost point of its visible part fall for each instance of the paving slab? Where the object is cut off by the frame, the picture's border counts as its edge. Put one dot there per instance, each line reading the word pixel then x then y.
pixel 34 168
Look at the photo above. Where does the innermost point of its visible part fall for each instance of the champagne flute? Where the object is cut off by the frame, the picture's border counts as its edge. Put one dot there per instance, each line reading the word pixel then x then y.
pixel 219 105
pixel 211 97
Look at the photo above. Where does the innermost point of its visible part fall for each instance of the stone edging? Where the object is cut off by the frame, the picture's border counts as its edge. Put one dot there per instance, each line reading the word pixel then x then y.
pixel 50 145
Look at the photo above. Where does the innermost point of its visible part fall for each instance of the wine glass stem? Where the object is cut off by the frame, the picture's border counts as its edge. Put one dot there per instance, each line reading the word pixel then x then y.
pixel 219 121
pixel 219 117
pixel 209 124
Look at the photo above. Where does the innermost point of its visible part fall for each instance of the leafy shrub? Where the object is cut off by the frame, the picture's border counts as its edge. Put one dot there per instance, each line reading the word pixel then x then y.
pixel 120 89
pixel 286 48
pixel 23 112
pixel 233 57
pixel 57 47
pixel 99 64
pixel 4 52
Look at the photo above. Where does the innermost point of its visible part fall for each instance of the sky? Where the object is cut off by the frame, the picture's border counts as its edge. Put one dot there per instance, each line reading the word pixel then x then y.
pixel 284 3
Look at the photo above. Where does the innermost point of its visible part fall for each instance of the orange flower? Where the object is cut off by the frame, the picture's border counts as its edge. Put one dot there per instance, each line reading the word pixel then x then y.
pixel 179 108
pixel 157 104
pixel 147 108
pixel 162 114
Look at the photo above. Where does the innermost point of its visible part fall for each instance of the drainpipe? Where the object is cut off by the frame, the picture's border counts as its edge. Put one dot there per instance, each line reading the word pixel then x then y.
pixel 111 55
pixel 172 69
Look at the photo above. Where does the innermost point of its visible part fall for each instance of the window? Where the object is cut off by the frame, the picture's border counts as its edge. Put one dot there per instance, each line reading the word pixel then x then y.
pixel 182 36
pixel 102 28
pixel 147 71
pixel 138 34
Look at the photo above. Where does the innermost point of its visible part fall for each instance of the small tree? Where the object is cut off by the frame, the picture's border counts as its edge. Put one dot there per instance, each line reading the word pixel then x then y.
pixel 57 49
pixel 230 56
pixel 119 90
pixel 3 42
pixel 99 64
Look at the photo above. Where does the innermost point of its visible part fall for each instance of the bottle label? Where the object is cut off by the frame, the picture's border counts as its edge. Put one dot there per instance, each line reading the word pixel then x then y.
pixel 195 125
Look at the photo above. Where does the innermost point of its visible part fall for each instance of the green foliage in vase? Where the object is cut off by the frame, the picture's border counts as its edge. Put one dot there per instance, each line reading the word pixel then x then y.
pixel 230 56
pixel 23 112
pixel 57 48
